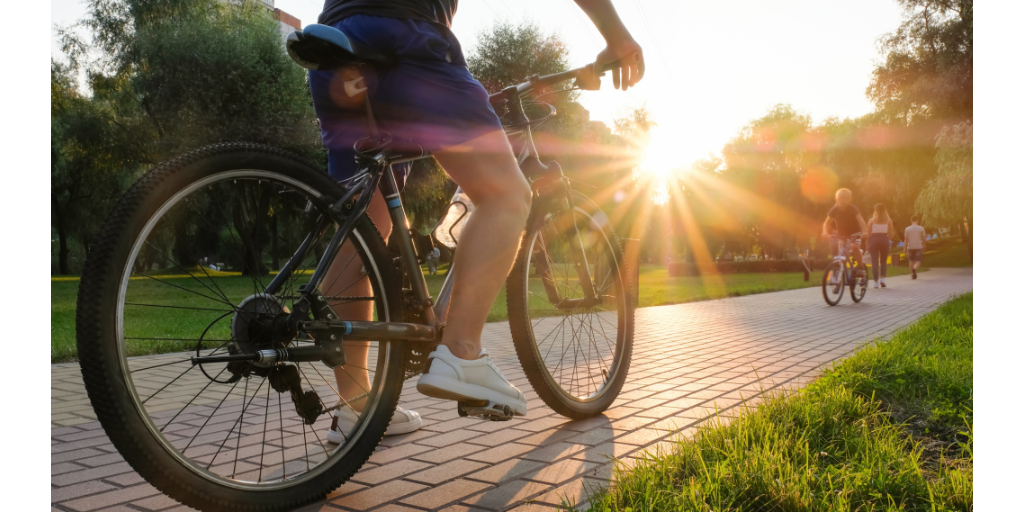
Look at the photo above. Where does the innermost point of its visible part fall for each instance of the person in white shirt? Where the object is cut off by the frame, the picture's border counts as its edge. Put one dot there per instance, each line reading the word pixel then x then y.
pixel 881 230
pixel 916 240
pixel 432 259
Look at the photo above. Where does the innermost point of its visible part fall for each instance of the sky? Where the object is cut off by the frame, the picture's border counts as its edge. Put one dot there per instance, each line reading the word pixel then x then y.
pixel 712 67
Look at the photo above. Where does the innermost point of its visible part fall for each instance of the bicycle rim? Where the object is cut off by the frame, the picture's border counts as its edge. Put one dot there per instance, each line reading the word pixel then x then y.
pixel 833 283
pixel 582 352
pixel 241 426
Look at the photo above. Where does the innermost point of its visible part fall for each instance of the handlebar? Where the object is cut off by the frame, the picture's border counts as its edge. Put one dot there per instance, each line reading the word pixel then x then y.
pixel 549 80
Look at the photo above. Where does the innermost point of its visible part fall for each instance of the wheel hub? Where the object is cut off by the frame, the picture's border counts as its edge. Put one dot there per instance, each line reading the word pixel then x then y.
pixel 255 325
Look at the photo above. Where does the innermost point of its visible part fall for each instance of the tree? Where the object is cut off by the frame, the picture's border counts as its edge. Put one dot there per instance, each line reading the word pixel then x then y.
pixel 928 71
pixel 948 198
pixel 768 159
pixel 506 54
pixel 188 73
pixel 90 147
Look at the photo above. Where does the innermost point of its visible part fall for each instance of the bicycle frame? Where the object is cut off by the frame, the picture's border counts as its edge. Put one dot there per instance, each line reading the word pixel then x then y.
pixel 375 172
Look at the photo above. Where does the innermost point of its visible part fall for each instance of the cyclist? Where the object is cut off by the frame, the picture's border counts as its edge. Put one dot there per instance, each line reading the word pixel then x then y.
pixel 430 98
pixel 848 222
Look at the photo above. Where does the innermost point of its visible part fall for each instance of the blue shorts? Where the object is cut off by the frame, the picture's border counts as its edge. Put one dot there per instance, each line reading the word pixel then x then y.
pixel 429 98
pixel 915 254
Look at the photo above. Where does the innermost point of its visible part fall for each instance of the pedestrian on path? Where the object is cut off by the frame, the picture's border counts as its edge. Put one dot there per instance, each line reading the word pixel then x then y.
pixel 432 259
pixel 881 228
pixel 916 240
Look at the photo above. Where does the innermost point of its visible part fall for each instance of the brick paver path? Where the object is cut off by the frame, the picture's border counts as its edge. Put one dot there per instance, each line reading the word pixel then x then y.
pixel 688 359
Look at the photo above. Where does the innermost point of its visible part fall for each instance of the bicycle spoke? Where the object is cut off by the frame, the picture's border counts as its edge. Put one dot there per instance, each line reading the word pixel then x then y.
pixel 143 274
pixel 189 402
pixel 218 292
pixel 238 439
pixel 226 395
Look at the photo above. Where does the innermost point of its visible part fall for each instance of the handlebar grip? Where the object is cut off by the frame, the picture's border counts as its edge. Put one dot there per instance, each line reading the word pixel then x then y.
pixel 623 61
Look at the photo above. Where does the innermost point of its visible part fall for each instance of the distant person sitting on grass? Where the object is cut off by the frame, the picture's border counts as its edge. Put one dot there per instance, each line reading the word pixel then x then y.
pixel 916 240
pixel 848 222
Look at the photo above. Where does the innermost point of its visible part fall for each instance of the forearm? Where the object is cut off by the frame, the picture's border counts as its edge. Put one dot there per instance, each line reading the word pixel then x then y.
pixel 602 13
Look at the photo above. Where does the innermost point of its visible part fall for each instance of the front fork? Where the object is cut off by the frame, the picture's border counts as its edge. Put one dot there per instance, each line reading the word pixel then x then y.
pixel 560 195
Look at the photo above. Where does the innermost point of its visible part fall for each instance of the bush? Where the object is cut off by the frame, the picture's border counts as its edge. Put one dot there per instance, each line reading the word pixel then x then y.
pixel 678 269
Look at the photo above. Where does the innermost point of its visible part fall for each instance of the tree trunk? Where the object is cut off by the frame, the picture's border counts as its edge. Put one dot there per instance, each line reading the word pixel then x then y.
pixel 252 231
pixel 970 239
pixel 273 243
pixel 63 251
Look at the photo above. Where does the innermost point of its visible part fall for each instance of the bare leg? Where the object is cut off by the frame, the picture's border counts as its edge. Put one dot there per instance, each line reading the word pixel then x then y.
pixel 344 278
pixel 487 171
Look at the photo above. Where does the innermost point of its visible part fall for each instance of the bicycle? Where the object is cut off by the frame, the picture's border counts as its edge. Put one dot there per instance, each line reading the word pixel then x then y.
pixel 844 270
pixel 234 418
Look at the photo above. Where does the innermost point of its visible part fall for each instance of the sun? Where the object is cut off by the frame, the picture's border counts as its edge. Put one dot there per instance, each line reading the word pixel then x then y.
pixel 661 157
pixel 659 165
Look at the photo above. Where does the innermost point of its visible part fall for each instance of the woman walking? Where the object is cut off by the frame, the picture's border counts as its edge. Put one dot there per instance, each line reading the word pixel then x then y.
pixel 881 229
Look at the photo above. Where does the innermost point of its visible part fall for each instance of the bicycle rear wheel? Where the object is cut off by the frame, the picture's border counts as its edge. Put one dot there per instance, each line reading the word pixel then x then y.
pixel 833 283
pixel 575 355
pixel 181 268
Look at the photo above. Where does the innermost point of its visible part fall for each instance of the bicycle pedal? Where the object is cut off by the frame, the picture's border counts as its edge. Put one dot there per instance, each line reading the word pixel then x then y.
pixel 485 409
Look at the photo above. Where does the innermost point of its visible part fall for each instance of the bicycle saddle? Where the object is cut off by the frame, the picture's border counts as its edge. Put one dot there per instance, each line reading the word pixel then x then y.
pixel 322 47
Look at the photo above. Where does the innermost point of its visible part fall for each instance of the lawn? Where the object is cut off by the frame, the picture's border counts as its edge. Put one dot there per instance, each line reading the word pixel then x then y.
pixel 890 428
pixel 656 288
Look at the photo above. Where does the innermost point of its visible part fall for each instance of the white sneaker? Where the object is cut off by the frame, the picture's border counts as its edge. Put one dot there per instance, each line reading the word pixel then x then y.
pixel 402 422
pixel 876 284
pixel 452 378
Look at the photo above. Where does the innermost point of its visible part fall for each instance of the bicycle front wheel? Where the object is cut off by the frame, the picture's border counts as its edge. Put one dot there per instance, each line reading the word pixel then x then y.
pixel 833 282
pixel 181 269
pixel 575 352
pixel 859 286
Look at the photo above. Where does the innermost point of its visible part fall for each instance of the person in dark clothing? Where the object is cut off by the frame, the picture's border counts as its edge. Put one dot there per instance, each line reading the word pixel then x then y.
pixel 430 98
pixel 848 222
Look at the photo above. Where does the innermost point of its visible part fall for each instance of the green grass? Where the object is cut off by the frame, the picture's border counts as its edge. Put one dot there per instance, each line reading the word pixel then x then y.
pixel 890 428
pixel 656 288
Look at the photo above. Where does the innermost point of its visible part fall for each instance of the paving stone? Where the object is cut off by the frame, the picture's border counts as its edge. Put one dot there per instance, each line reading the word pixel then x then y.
pixel 374 496
pixel 554 452
pixel 383 456
pixel 447 471
pixel 448 453
pixel 507 495
pixel 560 472
pixel 90 474
pixel 389 471
pixel 108 498
pixel 605 452
pixel 58 494
pixel 641 437
pixel 64 467
pixel 158 502
pixel 593 437
pixel 572 493
pixel 505 471
pixel 500 453
pixel 445 494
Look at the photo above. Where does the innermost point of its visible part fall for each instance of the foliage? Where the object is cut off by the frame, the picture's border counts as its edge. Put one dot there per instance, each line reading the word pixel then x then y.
pixel 948 198
pixel 506 54
pixel 167 77
pixel 924 374
pixel 91 147
pixel 928 71
pixel 833 445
